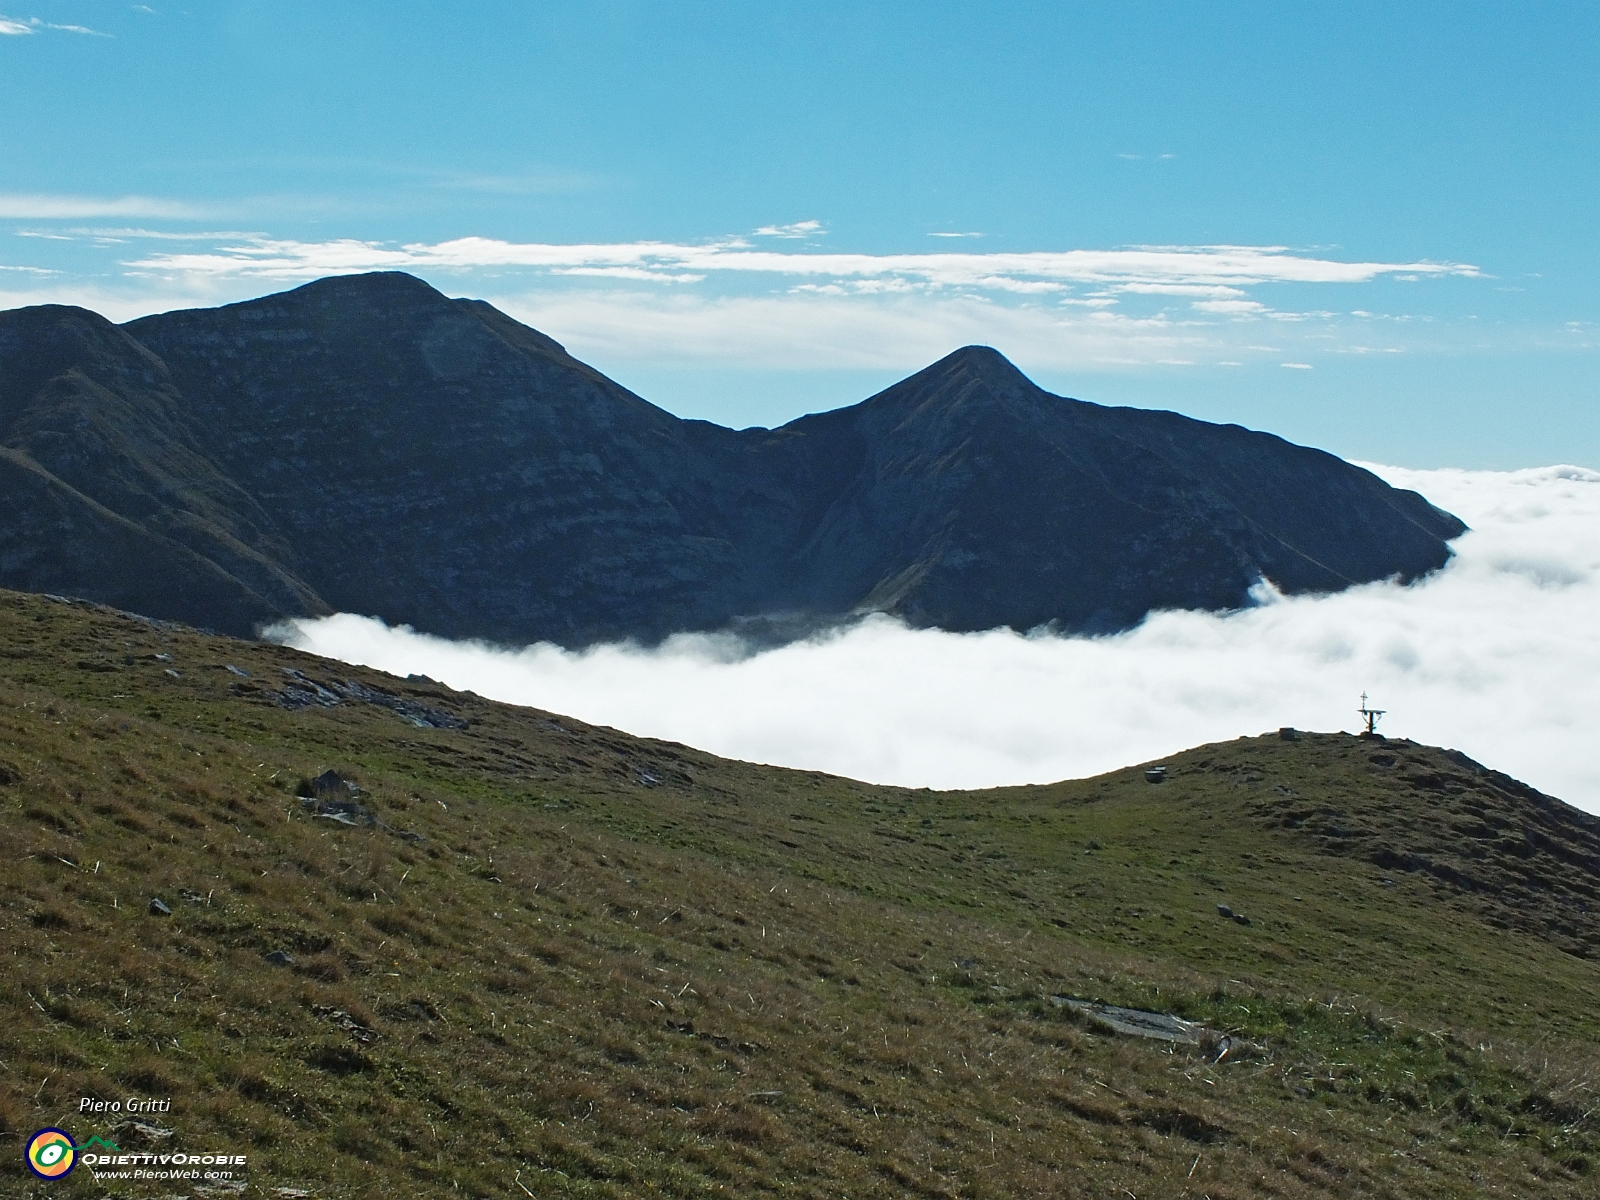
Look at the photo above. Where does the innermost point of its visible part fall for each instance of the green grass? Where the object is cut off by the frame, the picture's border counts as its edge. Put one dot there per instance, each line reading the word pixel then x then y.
pixel 617 967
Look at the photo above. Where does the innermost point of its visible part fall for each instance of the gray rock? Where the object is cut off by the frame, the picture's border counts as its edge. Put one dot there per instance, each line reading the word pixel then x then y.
pixel 158 908
pixel 332 785
pixel 279 958
pixel 1135 1022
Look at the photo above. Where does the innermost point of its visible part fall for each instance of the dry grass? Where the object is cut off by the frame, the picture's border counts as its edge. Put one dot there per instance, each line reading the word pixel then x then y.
pixel 735 979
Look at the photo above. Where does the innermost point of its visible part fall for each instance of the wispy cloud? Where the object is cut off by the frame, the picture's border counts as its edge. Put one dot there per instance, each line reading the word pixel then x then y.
pixel 768 299
pixel 893 331
pixel 41 207
pixel 11 26
pixel 1143 266
pixel 123 234
pixel 1237 308
pixel 1498 655
pixel 800 229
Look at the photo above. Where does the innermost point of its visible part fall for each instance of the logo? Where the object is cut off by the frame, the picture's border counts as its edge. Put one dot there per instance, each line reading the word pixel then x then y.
pixel 52 1153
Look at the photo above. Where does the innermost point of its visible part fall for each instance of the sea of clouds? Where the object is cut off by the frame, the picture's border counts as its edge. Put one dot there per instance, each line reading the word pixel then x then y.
pixel 1498 655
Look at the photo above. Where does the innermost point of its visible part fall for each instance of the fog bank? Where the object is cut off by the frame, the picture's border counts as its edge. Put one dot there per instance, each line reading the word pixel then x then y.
pixel 1497 655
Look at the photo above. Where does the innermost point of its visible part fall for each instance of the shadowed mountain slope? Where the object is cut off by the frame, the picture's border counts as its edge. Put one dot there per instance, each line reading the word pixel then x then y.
pixel 529 949
pixel 109 491
pixel 365 444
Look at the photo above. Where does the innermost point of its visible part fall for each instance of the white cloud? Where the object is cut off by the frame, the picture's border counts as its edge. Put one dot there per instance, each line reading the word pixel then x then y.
pixel 1497 655
pixel 1208 266
pixel 116 304
pixel 1234 308
pixel 1215 291
pixel 115 234
pixel 841 329
pixel 15 28
pixel 800 229
pixel 738 301
pixel 49 208
pixel 633 273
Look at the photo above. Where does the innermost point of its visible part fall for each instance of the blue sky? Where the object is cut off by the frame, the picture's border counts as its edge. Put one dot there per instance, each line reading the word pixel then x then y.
pixel 1365 227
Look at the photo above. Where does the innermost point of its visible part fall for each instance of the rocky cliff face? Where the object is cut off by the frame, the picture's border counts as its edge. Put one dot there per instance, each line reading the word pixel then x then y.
pixel 366 444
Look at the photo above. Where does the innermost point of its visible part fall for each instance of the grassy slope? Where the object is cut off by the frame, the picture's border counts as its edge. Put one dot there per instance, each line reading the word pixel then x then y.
pixel 618 967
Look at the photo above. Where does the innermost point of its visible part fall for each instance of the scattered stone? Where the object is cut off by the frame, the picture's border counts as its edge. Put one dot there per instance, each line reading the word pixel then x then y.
pixel 279 958
pixel 135 1134
pixel 331 783
pixel 221 1187
pixel 346 1022
pixel 346 812
pixel 173 673
pixel 1289 733
pixel 305 691
pixel 1241 919
pixel 242 674
pixel 331 798
pixel 423 716
pixel 158 908
pixel 1155 774
pixel 1219 1046
pixel 1387 882
pixel 1224 911
pixel 1136 1022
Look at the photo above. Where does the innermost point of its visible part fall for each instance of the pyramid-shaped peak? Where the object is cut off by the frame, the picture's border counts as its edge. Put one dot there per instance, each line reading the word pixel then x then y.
pixel 981 357
pixel 986 362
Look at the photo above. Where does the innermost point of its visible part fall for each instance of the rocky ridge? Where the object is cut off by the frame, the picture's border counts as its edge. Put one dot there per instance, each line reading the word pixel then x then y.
pixel 365 444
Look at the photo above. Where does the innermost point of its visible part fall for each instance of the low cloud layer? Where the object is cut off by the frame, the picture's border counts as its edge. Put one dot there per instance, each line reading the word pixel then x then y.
pixel 1497 655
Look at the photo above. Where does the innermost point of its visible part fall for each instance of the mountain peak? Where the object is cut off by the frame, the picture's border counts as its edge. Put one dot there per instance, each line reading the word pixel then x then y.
pixel 984 361
pixel 381 290
pixel 377 447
